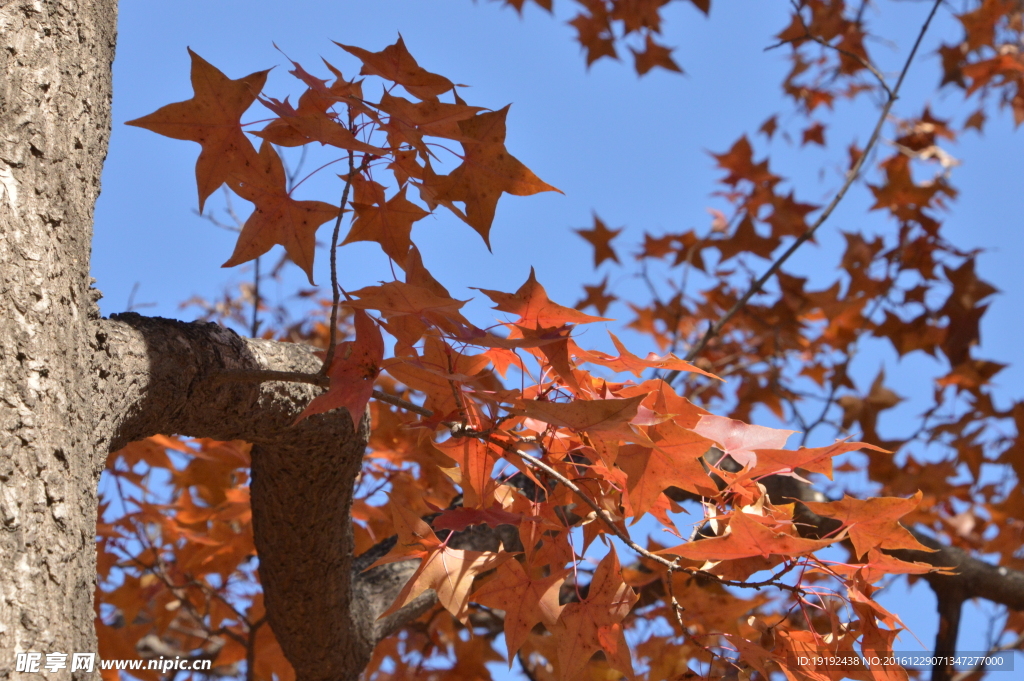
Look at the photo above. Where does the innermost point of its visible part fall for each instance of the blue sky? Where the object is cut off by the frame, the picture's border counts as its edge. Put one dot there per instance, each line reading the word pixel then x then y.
pixel 633 150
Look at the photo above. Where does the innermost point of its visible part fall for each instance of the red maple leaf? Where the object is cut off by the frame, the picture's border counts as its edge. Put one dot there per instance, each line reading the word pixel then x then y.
pixel 212 118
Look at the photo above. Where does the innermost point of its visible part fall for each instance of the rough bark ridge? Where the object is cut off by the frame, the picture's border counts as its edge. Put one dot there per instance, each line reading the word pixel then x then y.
pixel 54 124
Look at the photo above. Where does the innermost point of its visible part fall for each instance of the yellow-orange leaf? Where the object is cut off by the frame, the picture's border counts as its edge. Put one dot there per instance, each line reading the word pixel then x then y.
pixel 487 171
pixel 747 537
pixel 583 414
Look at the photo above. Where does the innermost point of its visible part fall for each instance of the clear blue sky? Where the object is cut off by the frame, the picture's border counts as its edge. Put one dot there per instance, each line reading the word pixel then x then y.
pixel 633 150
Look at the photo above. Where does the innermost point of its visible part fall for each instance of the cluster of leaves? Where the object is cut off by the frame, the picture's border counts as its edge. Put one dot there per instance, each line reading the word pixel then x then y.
pixel 569 452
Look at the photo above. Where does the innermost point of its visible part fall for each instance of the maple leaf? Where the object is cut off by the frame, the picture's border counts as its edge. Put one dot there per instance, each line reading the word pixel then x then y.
pixel 739 439
pixel 526 601
pixel 394 63
pixel 397 298
pixel 814 134
pixel 600 238
pixel 458 519
pixel 449 572
pixel 653 55
pixel 487 171
pixel 607 414
pixel 739 161
pixel 627 361
pixel 594 624
pixel 597 297
pixel 746 537
pixel 746 240
pixel 873 523
pixel 594 33
pixel 865 410
pixel 811 459
pixel 389 224
pixel 534 308
pixel 476 462
pixel 310 123
pixel 355 366
pixel 674 461
pixel 277 217
pixel 212 118
pixel 412 120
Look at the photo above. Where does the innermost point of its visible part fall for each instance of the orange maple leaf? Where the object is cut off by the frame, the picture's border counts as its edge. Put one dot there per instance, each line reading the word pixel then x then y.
pixel 746 537
pixel 212 118
pixel 600 238
pixel 627 361
pixel 310 123
pixel 534 308
pixel 389 224
pixel 739 439
pixel 811 459
pixel 449 572
pixel 355 366
pixel 526 601
pixel 412 120
pixel 476 461
pixel 609 414
pixel 277 218
pixel 394 63
pixel 597 297
pixel 488 170
pixel 397 298
pixel 653 55
pixel 594 33
pixel 873 523
pixel 674 461
pixel 595 623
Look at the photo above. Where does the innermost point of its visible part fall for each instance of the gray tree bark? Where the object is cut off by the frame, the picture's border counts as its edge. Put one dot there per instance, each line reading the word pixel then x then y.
pixel 74 387
pixel 54 124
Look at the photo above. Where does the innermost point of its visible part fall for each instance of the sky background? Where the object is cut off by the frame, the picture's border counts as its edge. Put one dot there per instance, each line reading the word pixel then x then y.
pixel 633 150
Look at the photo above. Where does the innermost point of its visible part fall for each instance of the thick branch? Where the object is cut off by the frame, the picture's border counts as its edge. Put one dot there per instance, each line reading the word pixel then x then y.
pixel 156 375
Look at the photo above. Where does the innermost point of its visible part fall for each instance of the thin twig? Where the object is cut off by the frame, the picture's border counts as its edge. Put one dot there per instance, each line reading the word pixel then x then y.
pixel 256 298
pixel 824 43
pixel 851 177
pixel 404 404
pixel 335 292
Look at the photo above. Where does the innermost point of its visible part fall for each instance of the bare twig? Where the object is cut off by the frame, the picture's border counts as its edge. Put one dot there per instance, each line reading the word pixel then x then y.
pixel 404 404
pixel 256 298
pixel 335 292
pixel 851 177
pixel 856 57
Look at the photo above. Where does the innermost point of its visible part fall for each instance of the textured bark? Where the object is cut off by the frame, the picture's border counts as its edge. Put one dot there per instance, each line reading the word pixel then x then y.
pixel 160 375
pixel 74 387
pixel 54 125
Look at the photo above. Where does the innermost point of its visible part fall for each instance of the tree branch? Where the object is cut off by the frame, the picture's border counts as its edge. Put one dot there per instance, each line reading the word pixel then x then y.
pixel 851 176
pixel 154 375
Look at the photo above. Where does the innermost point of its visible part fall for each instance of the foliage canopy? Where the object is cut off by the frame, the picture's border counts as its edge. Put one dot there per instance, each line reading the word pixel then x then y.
pixel 555 449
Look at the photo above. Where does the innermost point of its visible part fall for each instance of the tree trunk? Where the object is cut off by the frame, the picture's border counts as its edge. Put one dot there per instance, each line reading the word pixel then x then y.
pixel 73 387
pixel 54 125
